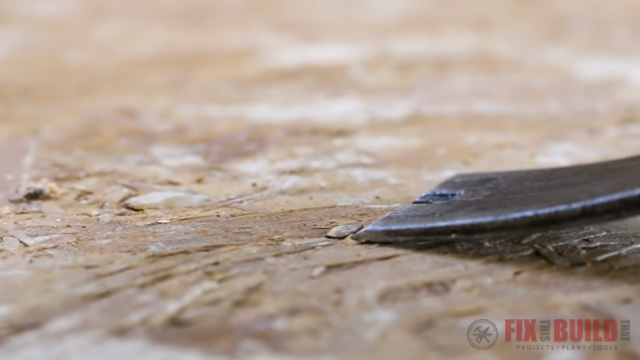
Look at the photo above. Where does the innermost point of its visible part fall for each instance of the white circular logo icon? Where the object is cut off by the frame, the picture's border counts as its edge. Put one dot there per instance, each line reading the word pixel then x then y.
pixel 482 334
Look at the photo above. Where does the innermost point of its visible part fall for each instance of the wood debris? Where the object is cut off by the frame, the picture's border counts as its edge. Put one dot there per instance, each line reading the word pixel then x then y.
pixel 342 231
pixel 34 190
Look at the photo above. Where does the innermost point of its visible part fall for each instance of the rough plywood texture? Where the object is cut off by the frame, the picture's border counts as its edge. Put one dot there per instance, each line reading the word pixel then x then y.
pixel 203 148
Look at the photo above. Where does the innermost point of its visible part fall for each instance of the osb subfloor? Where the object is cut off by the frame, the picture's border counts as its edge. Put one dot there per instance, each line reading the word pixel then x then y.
pixel 270 122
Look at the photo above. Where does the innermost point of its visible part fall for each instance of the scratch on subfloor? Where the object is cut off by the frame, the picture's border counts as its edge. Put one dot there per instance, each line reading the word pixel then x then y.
pixel 619 252
pixel 206 292
pixel 171 270
pixel 22 237
pixel 550 254
pixel 175 308
pixel 359 261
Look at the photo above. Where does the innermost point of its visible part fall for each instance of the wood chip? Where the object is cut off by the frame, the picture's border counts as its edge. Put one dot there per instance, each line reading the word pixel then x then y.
pixel 342 231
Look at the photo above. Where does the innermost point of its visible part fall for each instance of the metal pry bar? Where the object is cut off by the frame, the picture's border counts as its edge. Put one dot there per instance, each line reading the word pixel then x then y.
pixel 478 204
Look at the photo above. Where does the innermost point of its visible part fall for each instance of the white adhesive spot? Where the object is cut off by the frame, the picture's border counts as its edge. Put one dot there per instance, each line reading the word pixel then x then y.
pixel 368 143
pixel 357 111
pixel 321 54
pixel 165 199
pixel 365 176
pixel 176 156
pixel 597 66
pixel 562 154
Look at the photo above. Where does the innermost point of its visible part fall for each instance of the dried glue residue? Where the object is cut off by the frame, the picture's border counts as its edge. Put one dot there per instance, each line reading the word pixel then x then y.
pixel 365 176
pixel 354 110
pixel 166 199
pixel 315 55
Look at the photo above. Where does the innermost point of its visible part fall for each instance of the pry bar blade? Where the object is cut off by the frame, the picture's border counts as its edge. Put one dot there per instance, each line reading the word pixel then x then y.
pixel 478 204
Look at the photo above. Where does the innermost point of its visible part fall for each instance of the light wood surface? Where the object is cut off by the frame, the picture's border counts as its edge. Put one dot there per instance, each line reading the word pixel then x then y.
pixel 262 124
